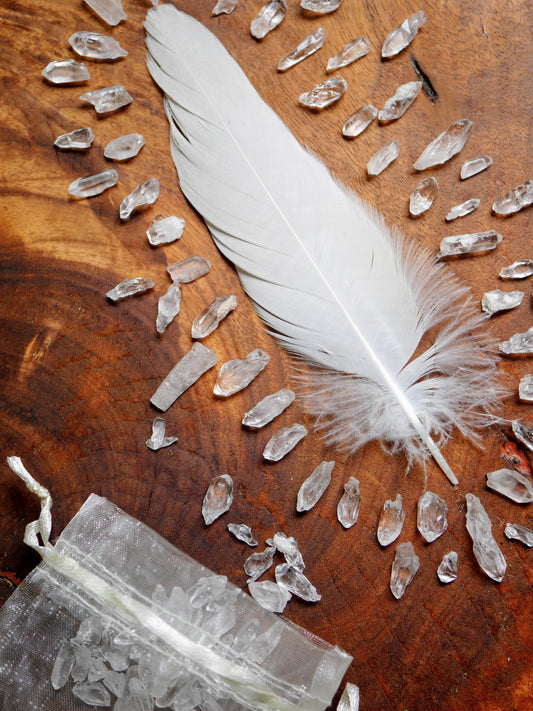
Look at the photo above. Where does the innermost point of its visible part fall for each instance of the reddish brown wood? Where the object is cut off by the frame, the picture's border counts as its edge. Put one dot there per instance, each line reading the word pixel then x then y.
pixel 77 373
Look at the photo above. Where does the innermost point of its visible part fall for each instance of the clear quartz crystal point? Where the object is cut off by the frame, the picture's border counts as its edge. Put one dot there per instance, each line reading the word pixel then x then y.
pixel 94 694
pixel 391 521
pixel 268 408
pixel 129 287
pixel 270 595
pixel 518 344
pixel 431 516
pixel 446 145
pixel 94 184
pixel 520 269
pixel 296 583
pixel 475 166
pixel 243 533
pixel 224 6
pixel 258 563
pixel 308 46
pixel 111 11
pixel 447 570
pixel 268 18
pixel 66 72
pixel 63 665
pixel 218 498
pixel 383 158
pixel 314 486
pixel 464 208
pixel 93 45
pixel 189 269
pixel 469 243
pixel 158 440
pixel 320 7
pixel 486 550
pixel 349 504
pixel 165 230
pixel 398 104
pixel 144 194
pixel 288 546
pixel 525 388
pixel 512 485
pixel 184 374
pixel 325 94
pixel 209 318
pixel 498 300
pixel 423 196
pixel 124 147
pixel 352 51
pixel 514 531
pixel 359 120
pixel 108 99
pixel 77 140
pixel 515 200
pixel 404 568
pixel 283 441
pixel 402 36
pixel 235 375
pixel 168 307
pixel 349 700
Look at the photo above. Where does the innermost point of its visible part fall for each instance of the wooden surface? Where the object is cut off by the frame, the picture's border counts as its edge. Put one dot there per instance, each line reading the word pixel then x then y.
pixel 77 372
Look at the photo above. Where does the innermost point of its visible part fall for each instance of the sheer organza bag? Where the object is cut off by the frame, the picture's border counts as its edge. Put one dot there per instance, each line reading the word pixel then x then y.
pixel 116 617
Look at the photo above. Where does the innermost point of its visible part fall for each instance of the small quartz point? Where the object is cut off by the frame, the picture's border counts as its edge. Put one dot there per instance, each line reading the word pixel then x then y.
pixel 91 185
pixel 469 243
pixel 515 200
pixel 398 104
pixel 208 319
pixel 498 300
pixel 447 570
pixel 475 166
pixel 115 682
pixel 352 51
pixel 464 208
pixel 518 344
pixel 129 287
pixel 521 269
pixel 349 700
pixel 188 270
pixel 270 595
pixel 124 147
pixel 218 498
pixel 243 533
pixel 432 516
pixel 108 99
pixel 525 388
pixel 308 46
pixel 288 546
pixel 391 521
pixel 383 158
pixel 268 408
pixel 349 504
pixel 158 439
pixel 165 230
pixel 445 146
pixel 184 374
pixel 404 567
pixel 258 563
pixel 168 307
pixel 111 11
pixel 224 6
pixel 314 486
pixel 283 441
pixel 320 7
pixel 295 582
pixel 359 120
pixel 93 45
pixel 66 72
pixel 324 94
pixel 486 550
pixel 423 196
pixel 77 140
pixel 63 665
pixel 512 485
pixel 514 531
pixel 236 374
pixel 144 194
pixel 268 18
pixel 94 694
pixel 402 36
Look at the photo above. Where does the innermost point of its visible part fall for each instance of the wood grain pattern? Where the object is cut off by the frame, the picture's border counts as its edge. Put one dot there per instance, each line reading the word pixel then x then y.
pixel 77 373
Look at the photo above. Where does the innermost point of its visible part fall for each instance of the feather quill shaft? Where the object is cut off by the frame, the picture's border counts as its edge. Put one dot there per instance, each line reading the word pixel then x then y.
pixel 332 283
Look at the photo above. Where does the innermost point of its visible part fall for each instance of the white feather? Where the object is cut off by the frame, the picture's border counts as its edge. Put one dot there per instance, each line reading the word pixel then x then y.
pixel 327 277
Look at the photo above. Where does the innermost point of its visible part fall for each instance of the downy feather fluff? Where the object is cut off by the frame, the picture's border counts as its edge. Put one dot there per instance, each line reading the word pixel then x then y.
pixel 333 284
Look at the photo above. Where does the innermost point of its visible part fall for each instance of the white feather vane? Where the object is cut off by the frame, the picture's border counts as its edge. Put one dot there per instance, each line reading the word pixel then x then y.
pixel 330 281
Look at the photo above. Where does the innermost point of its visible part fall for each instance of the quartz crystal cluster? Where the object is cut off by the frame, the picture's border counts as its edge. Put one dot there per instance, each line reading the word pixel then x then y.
pixel 308 46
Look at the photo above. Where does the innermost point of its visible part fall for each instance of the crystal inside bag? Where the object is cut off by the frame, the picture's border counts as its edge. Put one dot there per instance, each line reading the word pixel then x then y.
pixel 116 617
